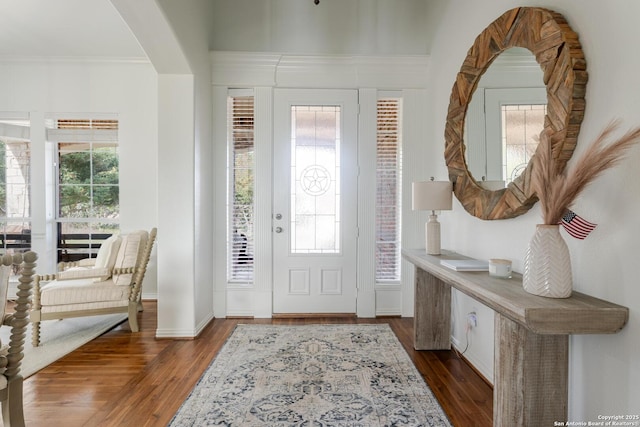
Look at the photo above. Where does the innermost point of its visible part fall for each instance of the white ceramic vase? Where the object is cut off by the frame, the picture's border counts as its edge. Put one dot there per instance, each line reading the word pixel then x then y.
pixel 547 264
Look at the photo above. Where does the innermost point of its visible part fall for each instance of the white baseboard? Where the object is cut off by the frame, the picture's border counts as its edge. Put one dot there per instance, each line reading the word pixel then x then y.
pixel 175 333
pixel 240 302
pixel 203 324
pixel 366 304
pixel 246 302
pixel 473 359
pixel 388 300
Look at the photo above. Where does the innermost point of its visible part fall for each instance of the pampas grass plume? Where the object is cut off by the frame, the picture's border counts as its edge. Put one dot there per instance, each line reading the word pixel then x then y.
pixel 556 190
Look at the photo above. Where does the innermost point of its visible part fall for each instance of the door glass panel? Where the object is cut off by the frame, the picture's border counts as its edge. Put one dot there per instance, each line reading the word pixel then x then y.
pixel 521 127
pixel 315 179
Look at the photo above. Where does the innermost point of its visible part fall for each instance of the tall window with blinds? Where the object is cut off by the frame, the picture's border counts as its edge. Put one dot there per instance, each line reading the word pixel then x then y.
pixel 241 165
pixel 388 189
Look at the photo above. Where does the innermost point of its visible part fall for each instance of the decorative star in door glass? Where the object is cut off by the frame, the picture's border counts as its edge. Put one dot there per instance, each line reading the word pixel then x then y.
pixel 315 180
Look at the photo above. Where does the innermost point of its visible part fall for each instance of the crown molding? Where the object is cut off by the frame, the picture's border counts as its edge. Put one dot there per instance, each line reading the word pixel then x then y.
pixel 47 60
pixel 246 69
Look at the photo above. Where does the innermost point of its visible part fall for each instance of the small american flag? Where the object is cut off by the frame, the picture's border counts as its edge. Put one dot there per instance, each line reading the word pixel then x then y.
pixel 576 226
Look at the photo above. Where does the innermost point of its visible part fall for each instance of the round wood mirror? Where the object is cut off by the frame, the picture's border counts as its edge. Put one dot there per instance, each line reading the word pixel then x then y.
pixel 557 49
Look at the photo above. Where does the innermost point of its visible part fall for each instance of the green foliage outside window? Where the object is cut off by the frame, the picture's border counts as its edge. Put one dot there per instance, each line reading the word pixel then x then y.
pixel 243 191
pixel 89 183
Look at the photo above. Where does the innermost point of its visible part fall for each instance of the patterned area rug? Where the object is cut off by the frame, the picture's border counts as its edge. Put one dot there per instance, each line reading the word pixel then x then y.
pixel 312 375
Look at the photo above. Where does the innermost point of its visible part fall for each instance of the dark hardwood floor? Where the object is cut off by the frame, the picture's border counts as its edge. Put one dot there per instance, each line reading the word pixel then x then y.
pixel 125 379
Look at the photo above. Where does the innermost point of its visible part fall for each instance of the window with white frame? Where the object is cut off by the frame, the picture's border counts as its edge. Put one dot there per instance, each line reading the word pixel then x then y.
pixel 15 184
pixel 240 173
pixel 388 189
pixel 87 173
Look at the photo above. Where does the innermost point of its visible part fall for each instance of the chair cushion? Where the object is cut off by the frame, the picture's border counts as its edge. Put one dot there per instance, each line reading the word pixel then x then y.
pixel 99 268
pixel 108 252
pixel 131 250
pixel 61 292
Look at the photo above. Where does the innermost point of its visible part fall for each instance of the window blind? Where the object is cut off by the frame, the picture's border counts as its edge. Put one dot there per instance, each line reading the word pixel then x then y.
pixel 240 128
pixel 388 189
pixel 82 130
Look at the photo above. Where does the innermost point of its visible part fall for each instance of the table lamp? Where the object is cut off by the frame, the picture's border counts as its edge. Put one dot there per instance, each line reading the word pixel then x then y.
pixel 432 196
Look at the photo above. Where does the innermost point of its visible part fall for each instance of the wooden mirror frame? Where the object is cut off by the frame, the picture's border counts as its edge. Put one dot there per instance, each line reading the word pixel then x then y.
pixel 559 53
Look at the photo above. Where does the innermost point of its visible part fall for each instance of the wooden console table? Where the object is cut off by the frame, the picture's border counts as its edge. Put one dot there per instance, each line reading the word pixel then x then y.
pixel 531 343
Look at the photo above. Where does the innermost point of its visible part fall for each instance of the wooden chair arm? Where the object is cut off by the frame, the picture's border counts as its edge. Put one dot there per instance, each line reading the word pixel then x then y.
pixel 124 270
pixel 45 277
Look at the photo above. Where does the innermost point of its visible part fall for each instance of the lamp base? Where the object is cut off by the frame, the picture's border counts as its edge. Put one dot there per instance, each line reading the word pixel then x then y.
pixel 432 235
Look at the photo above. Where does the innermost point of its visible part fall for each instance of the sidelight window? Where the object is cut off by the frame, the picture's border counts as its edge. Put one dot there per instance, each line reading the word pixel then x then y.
pixel 388 189
pixel 240 173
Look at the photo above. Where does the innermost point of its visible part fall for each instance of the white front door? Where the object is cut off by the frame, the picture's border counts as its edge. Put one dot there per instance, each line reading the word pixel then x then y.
pixel 315 201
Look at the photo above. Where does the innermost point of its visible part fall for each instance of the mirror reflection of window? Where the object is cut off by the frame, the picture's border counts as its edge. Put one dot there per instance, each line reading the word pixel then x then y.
pixel 513 79
pixel 518 113
pixel 521 127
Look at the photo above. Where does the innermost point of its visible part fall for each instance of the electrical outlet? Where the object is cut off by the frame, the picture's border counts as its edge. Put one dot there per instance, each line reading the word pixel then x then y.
pixel 472 319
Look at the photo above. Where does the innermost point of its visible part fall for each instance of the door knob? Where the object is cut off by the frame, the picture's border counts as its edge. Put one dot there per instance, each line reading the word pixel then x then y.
pixel 278 216
pixel 278 229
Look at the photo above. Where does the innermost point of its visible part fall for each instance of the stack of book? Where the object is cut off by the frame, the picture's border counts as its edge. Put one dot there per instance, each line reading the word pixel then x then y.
pixel 465 264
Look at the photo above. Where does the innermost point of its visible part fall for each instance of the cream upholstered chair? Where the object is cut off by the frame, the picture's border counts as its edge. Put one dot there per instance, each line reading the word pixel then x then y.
pixel 105 259
pixel 112 283
pixel 11 353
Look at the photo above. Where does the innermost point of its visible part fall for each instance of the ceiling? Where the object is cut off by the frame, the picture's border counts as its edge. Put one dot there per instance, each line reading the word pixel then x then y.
pixel 64 28
pixel 87 29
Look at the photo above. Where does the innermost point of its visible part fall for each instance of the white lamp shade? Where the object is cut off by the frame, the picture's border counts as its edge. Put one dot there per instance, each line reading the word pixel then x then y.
pixel 431 195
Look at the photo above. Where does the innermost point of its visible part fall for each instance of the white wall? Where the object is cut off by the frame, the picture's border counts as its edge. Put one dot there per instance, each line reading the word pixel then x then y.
pixel 367 27
pixel 127 89
pixel 174 37
pixel 189 23
pixel 604 369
